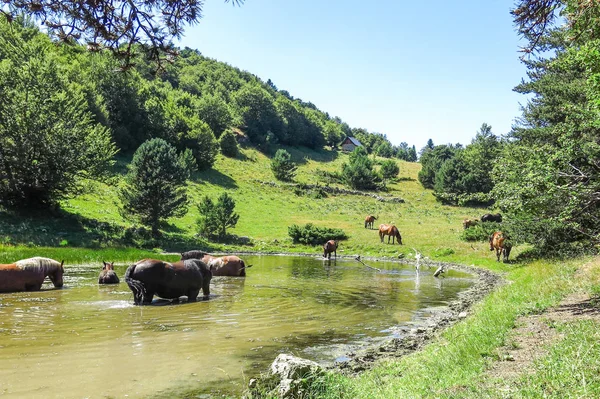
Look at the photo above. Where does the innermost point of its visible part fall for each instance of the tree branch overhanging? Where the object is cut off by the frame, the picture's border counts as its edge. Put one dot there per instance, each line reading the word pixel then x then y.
pixel 114 25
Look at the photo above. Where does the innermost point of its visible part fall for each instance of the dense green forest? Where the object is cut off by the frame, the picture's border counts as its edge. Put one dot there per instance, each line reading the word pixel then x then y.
pixel 193 103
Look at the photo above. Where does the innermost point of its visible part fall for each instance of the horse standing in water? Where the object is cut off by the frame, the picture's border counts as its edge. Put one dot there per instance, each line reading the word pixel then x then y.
pixel 231 265
pixel 29 274
pixel 369 220
pixel 499 242
pixel 391 231
pixel 108 274
pixel 329 247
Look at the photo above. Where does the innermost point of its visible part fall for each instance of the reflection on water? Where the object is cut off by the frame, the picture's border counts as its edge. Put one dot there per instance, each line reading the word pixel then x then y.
pixel 88 340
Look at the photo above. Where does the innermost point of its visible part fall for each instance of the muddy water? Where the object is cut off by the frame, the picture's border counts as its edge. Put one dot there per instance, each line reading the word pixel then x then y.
pixel 90 341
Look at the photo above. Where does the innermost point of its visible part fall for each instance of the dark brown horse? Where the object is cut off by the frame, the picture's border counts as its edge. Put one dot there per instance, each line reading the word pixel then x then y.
pixel 488 217
pixel 29 274
pixel 369 220
pixel 230 265
pixel 149 277
pixel 329 247
pixel 391 231
pixel 108 274
pixel 499 242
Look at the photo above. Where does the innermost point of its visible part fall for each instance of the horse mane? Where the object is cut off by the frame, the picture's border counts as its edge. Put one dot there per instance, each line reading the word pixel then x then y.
pixel 37 263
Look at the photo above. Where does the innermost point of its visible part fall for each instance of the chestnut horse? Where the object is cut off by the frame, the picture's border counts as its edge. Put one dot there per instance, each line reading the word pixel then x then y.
pixel 329 247
pixel 108 274
pixel 369 220
pixel 469 222
pixel 230 265
pixel 499 242
pixel 29 274
pixel 391 231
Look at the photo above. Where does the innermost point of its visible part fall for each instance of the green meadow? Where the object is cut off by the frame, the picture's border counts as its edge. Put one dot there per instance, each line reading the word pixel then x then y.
pixel 89 228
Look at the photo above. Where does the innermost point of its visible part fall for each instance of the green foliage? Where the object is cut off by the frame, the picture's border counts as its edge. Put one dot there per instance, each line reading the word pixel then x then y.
pixel 48 138
pixel 203 144
pixel 216 113
pixel 389 169
pixel 188 161
pixel 216 217
pixel 229 145
pixel 432 161
pixel 282 166
pixel 155 185
pixel 548 176
pixel 257 111
pixel 482 231
pixel 313 235
pixel 359 173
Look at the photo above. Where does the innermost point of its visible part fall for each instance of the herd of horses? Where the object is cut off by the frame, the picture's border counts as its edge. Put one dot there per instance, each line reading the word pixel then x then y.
pixel 384 230
pixel 193 272
pixel 146 278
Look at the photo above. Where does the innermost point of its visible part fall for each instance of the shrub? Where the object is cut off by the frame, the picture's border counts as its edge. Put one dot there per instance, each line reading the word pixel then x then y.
pixel 229 145
pixel 282 166
pixel 314 235
pixel 481 231
pixel 389 169
pixel 216 217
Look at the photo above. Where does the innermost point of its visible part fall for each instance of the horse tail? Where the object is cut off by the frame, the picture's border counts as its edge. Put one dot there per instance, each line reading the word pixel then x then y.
pixel 136 286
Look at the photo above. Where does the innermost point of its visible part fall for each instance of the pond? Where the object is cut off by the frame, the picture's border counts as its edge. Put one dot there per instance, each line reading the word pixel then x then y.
pixel 87 340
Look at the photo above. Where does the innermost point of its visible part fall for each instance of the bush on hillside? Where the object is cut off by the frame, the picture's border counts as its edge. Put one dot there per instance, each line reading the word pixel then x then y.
pixel 216 217
pixel 229 145
pixel 389 169
pixel 314 235
pixel 282 166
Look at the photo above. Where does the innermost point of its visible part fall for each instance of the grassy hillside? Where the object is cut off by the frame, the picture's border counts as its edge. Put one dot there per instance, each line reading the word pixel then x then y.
pixel 266 208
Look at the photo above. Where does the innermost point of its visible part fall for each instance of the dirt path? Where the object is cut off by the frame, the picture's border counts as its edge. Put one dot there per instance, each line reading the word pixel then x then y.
pixel 534 334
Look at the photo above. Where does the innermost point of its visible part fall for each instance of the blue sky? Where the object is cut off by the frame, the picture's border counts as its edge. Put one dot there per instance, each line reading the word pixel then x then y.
pixel 409 69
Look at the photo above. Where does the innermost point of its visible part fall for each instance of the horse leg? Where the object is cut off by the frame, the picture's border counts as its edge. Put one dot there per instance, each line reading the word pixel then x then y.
pixel 147 297
pixel 206 289
pixel 193 295
pixel 498 250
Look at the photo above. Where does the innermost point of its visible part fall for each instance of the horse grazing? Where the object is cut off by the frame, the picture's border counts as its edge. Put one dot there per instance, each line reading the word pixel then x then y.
pixel 488 217
pixel 369 220
pixel 391 231
pixel 500 242
pixel 469 222
pixel 149 277
pixel 230 265
pixel 329 247
pixel 29 274
pixel 108 274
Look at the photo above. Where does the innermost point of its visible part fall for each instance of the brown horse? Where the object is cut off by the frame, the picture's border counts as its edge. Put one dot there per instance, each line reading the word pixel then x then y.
pixel 29 274
pixel 391 231
pixel 470 222
pixel 108 274
pixel 230 265
pixel 329 247
pixel 499 242
pixel 369 220
pixel 149 277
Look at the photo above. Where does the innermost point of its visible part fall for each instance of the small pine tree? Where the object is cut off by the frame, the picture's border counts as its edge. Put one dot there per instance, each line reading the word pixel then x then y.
pixel 389 169
pixel 359 173
pixel 282 166
pixel 216 217
pixel 229 145
pixel 155 185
